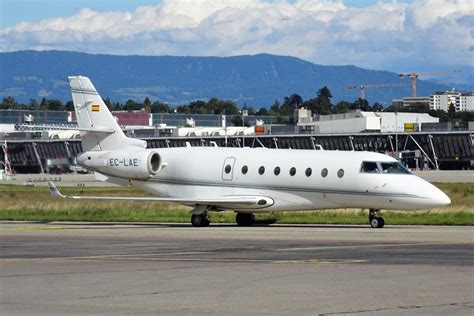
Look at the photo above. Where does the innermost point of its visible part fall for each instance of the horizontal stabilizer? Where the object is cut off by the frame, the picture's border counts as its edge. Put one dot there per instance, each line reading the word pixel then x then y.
pixel 221 202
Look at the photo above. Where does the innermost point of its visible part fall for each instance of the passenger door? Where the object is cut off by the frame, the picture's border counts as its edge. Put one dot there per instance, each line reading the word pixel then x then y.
pixel 228 169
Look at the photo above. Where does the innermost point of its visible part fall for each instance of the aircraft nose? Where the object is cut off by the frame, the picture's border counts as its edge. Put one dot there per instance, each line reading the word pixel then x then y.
pixel 443 199
pixel 438 197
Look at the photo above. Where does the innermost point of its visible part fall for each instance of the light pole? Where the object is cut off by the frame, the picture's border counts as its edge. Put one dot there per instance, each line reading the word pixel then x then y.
pixel 244 114
pixel 223 124
pixel 396 135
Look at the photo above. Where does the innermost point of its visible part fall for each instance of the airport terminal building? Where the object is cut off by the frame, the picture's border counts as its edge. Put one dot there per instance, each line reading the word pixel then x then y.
pixel 418 139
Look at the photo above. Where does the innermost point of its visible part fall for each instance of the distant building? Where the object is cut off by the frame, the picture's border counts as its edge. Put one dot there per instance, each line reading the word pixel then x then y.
pixel 410 101
pixel 361 121
pixel 303 115
pixel 460 101
pixel 397 103
pixel 403 122
pixel 465 102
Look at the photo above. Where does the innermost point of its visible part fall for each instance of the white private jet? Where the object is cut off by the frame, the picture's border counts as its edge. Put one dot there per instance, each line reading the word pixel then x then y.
pixel 245 180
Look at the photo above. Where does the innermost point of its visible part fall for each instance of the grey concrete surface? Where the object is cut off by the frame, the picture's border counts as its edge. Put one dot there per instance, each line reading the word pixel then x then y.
pixel 447 176
pixel 172 269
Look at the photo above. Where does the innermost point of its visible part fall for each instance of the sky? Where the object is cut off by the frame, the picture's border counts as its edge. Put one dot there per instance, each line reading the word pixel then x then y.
pixel 16 11
pixel 400 36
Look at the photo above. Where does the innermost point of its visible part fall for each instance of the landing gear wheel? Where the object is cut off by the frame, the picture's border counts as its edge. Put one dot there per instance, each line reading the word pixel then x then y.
pixel 382 222
pixel 375 220
pixel 200 220
pixel 245 219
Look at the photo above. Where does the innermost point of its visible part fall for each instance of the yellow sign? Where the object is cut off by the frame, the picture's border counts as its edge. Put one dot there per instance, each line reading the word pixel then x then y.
pixel 409 127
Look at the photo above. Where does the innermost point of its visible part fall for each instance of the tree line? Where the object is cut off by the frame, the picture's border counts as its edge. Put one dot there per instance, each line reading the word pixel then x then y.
pixel 320 104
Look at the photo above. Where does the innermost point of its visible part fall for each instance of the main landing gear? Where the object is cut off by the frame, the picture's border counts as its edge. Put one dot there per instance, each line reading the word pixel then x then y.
pixel 375 220
pixel 245 219
pixel 201 217
pixel 200 220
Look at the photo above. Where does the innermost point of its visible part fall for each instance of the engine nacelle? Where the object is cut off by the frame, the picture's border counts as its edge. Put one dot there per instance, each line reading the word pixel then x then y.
pixel 137 164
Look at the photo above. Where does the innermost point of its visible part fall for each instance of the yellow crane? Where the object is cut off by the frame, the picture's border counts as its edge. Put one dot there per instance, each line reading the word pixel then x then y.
pixel 414 76
pixel 364 86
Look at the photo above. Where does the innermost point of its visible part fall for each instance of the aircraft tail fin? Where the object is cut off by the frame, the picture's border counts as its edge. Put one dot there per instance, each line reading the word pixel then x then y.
pixel 95 119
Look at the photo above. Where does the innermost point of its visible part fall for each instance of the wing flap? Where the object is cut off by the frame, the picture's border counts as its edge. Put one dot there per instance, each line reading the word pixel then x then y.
pixel 221 202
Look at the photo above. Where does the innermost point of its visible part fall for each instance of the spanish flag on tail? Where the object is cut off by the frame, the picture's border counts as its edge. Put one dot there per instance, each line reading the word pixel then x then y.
pixel 95 108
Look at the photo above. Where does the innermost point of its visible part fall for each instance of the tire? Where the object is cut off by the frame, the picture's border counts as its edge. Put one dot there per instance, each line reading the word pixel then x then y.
pixel 375 222
pixel 200 220
pixel 245 219
pixel 381 222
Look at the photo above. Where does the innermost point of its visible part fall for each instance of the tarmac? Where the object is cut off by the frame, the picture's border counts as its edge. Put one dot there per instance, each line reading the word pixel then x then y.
pixel 175 269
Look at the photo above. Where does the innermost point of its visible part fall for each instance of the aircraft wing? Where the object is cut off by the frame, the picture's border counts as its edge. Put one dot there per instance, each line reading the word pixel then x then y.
pixel 222 202
pixel 97 129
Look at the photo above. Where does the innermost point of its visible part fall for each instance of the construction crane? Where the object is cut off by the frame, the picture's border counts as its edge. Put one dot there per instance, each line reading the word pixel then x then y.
pixel 414 76
pixel 364 86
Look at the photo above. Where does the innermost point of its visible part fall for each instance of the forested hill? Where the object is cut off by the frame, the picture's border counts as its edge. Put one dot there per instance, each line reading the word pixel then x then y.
pixel 257 80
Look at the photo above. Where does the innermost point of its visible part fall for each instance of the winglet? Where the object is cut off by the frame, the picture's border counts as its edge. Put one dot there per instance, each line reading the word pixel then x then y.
pixel 53 190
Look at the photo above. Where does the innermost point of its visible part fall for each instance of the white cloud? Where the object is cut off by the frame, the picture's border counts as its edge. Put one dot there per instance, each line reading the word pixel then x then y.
pixel 426 13
pixel 397 36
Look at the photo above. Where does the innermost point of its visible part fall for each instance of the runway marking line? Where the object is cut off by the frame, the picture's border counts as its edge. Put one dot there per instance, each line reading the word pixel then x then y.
pixel 41 227
pixel 161 257
pixel 321 261
pixel 196 259
pixel 303 261
pixel 367 246
pixel 117 256
pixel 133 257
pixel 236 260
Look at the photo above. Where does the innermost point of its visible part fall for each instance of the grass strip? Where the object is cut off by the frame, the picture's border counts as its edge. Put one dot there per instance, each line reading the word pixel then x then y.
pixel 35 204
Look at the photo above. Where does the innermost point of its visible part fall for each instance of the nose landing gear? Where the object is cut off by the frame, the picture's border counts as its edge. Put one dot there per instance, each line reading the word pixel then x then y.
pixel 375 220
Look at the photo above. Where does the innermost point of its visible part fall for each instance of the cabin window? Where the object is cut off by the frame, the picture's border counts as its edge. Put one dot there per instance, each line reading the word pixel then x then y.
pixel 276 171
pixel 308 172
pixel 227 169
pixel 369 167
pixel 245 169
pixel 261 170
pixel 340 173
pixel 393 167
pixel 292 171
pixel 324 173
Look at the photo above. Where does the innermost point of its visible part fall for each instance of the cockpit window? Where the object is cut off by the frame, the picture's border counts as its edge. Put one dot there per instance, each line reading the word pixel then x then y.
pixel 383 167
pixel 393 167
pixel 369 167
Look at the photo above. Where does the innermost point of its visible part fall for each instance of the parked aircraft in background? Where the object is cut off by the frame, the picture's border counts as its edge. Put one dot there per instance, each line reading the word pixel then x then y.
pixel 245 180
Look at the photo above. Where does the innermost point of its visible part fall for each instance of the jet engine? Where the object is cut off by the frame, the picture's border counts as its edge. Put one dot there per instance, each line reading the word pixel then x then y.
pixel 137 164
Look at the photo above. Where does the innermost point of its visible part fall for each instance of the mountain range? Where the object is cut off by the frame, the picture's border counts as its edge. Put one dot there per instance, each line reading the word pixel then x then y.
pixel 255 80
